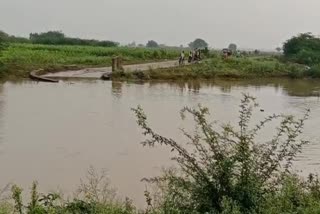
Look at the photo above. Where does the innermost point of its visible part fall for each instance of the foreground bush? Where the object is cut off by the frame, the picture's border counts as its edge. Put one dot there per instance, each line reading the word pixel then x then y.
pixel 226 169
pixel 93 196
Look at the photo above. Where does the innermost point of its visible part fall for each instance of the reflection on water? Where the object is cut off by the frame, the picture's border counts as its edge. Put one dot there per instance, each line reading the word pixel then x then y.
pixel 116 88
pixel 301 88
pixel 53 132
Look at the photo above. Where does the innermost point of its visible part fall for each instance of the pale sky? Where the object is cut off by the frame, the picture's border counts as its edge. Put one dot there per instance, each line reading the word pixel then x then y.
pixel 248 23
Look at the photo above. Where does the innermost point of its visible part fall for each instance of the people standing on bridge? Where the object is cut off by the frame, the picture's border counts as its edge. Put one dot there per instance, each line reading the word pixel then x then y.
pixel 181 59
pixel 199 54
pixel 196 54
pixel 193 55
pixel 190 57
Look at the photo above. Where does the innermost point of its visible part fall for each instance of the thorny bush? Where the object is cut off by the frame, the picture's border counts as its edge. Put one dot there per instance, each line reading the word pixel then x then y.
pixel 226 167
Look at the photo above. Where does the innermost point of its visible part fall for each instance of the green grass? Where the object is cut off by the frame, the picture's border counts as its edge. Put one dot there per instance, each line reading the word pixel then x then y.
pixel 19 59
pixel 244 67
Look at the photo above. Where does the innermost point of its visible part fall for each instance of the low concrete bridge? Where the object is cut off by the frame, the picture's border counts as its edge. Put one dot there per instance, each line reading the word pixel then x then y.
pixel 97 73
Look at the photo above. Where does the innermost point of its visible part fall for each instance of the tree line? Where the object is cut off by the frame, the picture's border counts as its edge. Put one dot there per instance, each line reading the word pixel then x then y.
pixel 55 38
pixel 304 49
pixel 59 38
pixel 196 44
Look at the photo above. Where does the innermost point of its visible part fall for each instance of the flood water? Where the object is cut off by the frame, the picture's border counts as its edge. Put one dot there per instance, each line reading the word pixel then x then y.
pixel 53 133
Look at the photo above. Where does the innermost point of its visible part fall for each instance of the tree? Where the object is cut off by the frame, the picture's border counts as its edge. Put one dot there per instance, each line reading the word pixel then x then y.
pixel 233 47
pixel 58 38
pixel 304 49
pixel 50 37
pixel 47 35
pixel 152 44
pixel 3 36
pixel 198 43
pixel 278 49
pixel 6 38
pixel 303 41
pixel 132 44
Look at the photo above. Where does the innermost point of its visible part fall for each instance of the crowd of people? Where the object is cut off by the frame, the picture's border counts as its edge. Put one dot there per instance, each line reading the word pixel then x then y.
pixel 194 56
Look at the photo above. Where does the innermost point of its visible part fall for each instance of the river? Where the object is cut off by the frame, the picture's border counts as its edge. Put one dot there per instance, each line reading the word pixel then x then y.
pixel 53 133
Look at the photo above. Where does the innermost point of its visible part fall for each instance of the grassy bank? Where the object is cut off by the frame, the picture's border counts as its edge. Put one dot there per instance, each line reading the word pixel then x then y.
pixel 294 197
pixel 244 67
pixel 19 59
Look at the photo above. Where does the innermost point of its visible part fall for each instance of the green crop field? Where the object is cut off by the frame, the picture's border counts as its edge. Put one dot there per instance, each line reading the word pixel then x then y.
pixel 19 59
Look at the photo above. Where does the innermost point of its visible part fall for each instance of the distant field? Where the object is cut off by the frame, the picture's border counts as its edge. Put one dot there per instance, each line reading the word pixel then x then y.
pixel 19 59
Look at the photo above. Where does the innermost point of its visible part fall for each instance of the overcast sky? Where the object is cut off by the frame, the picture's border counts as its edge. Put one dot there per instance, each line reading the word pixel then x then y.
pixel 248 23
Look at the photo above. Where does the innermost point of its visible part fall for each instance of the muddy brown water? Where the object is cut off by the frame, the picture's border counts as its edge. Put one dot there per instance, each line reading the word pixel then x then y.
pixel 52 133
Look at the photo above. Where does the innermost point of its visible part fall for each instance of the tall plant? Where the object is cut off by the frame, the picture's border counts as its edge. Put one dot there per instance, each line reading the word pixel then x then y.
pixel 226 167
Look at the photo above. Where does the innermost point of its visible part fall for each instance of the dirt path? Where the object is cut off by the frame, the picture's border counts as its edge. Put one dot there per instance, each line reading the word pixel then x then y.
pixel 96 73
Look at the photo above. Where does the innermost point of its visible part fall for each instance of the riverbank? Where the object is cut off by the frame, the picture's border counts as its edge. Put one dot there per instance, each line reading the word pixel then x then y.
pixel 216 67
pixel 19 59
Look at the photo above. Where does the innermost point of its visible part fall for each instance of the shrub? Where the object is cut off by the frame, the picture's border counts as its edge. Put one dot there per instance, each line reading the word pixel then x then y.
pixel 93 196
pixel 314 71
pixel 295 196
pixel 304 48
pixel 226 169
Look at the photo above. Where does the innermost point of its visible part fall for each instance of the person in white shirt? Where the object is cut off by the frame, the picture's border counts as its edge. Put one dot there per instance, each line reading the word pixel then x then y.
pixel 181 59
